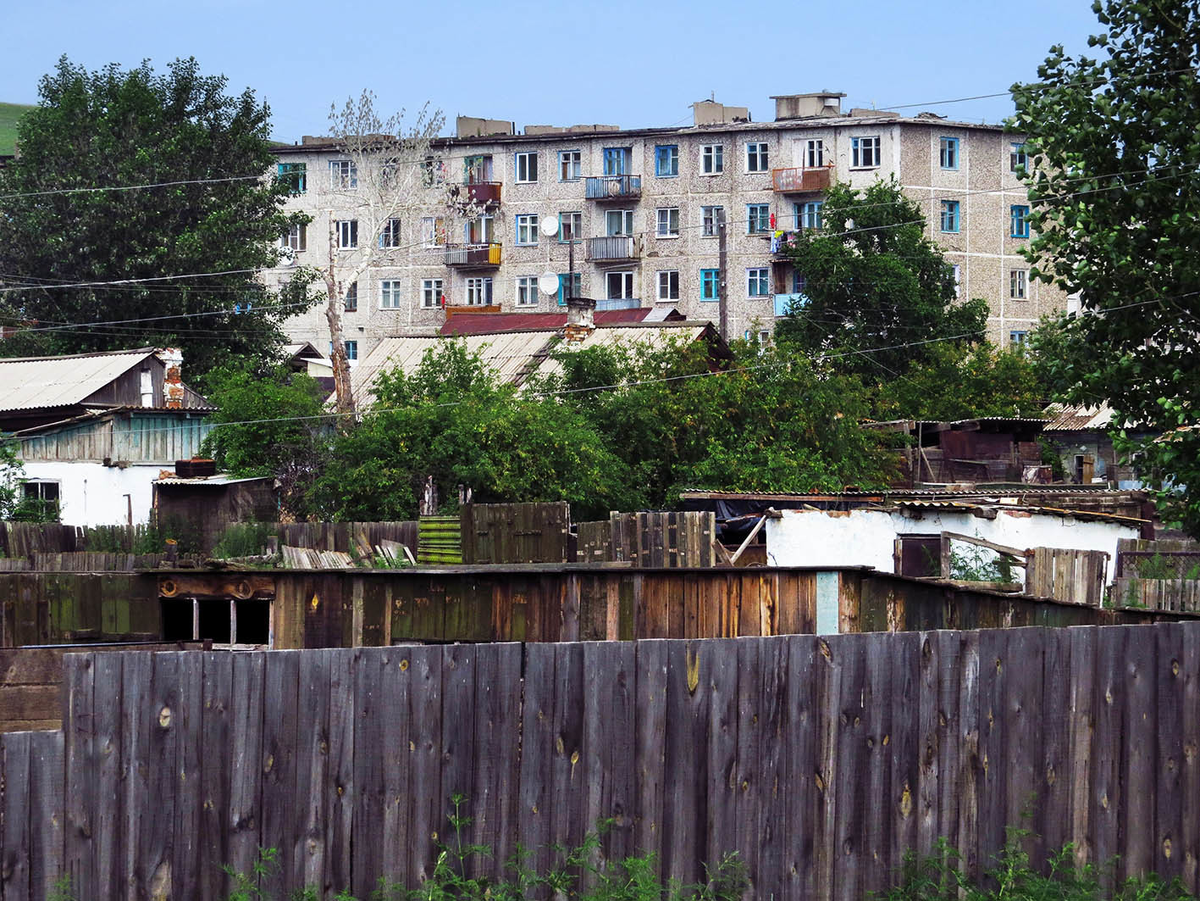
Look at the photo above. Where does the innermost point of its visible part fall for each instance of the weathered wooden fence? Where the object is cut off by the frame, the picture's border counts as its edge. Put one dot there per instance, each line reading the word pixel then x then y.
pixel 1073 576
pixel 651 539
pixel 56 608
pixel 1157 559
pixel 516 533
pixel 1158 594
pixel 819 760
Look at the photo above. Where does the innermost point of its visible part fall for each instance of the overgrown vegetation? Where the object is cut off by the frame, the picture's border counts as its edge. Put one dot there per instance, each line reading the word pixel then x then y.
pixel 941 877
pixel 243 539
pixel 977 564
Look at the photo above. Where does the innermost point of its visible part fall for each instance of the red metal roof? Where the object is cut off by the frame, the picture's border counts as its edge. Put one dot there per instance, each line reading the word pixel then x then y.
pixel 493 323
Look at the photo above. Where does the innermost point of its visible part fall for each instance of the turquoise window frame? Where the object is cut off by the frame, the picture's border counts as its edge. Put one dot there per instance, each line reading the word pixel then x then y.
pixel 562 282
pixel 1019 215
pixel 951 217
pixel 948 152
pixel 666 161
pixel 710 284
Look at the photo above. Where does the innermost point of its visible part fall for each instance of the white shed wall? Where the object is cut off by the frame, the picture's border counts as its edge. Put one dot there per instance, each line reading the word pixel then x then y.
pixel 92 494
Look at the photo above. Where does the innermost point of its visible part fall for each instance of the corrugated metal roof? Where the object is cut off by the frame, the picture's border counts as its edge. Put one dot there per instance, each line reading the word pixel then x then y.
pixel 514 355
pixel 39 382
pixel 216 481
pixel 1078 419
pixel 494 323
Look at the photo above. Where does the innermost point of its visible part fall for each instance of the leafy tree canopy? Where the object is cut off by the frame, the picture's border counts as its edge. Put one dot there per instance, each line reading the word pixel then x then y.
pixel 1115 186
pixel 878 290
pixel 113 128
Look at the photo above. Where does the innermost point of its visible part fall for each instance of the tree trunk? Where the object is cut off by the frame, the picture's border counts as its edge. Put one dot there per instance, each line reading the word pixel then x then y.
pixel 333 314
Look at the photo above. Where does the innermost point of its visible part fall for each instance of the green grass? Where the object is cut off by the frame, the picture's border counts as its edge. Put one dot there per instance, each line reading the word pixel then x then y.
pixel 9 114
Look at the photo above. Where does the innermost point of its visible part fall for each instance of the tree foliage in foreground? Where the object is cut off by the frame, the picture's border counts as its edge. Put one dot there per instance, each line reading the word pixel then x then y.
pixel 1115 186
pixel 878 290
pixel 114 128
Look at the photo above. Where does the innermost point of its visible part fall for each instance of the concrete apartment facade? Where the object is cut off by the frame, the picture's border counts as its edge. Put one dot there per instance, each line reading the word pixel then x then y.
pixel 642 205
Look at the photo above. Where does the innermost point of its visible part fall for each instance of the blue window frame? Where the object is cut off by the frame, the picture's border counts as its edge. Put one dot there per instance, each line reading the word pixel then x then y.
pixel 758 218
pixel 950 215
pixel 293 174
pixel 710 280
pixel 808 215
pixel 616 160
pixel 666 160
pixel 577 287
pixel 1017 157
pixel 948 154
pixel 1020 221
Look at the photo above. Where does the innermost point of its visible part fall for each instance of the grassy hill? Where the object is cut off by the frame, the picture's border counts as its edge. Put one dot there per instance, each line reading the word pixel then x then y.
pixel 9 114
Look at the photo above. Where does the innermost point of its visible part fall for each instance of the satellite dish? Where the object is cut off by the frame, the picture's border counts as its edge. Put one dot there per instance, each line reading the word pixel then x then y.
pixel 549 226
pixel 548 282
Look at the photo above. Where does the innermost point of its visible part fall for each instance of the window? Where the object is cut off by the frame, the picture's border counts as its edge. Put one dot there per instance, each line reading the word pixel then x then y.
pixel 758 218
pixel 668 284
pixel 757 158
pixel 569 285
pixel 389 295
pixel 814 154
pixel 479 292
pixel 343 174
pixel 390 236
pixel 1017 157
pixel 480 230
pixel 618 222
pixel 296 238
pixel 666 160
pixel 1018 339
pixel 712 216
pixel 46 492
pixel 616 160
pixel 433 171
pixel 527 228
pixel 433 231
pixel 808 215
pixel 799 284
pixel 1018 280
pixel 294 176
pixel 710 280
pixel 570 165
pixel 950 213
pixel 351 299
pixel 618 285
pixel 527 167
pixel 347 233
pixel 957 272
pixel 351 350
pixel 431 292
pixel 527 288
pixel 668 222
pixel 864 152
pixel 948 153
pixel 1020 221
pixel 570 226
pixel 477 170
pixel 712 159
pixel 758 282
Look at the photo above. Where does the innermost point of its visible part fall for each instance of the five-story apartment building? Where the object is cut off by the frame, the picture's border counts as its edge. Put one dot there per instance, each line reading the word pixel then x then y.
pixel 639 212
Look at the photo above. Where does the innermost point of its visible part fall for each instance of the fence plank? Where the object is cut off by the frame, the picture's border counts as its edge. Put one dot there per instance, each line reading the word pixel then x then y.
pixel 340 772
pixel 773 793
pixel 1054 778
pixel 1108 793
pixel 1189 854
pixel 46 763
pixel 15 817
pixel 875 752
pixel 718 677
pixel 848 795
pixel 394 701
pixel 136 673
pixel 110 857
pixel 245 788
pixel 215 776
pixel 1082 731
pixel 566 773
pixel 79 736
pixel 651 745
pixel 1170 677
pixel 537 748
pixel 425 717
pixel 188 722
pixel 493 795
pixel 281 697
pixel 369 716
pixel 1139 754
pixel 307 830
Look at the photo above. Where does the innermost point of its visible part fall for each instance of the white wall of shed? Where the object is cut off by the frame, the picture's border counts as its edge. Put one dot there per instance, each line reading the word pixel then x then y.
pixel 92 494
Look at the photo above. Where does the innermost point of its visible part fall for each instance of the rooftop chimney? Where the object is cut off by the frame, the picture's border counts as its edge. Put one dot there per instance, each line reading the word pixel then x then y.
pixel 808 106
pixel 172 360
pixel 581 318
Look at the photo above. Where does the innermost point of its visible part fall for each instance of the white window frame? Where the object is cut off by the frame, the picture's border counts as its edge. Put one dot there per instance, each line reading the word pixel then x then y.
pixel 626 223
pixel 389 238
pixel 710 220
pixel 814 153
pixel 527 225
pixel 525 167
pixel 389 294
pixel 343 175
pixel 668 284
pixel 865 146
pixel 1018 284
pixel 433 231
pixel 759 218
pixel 956 268
pixel 527 291
pixel 432 290
pixel 347 234
pixel 296 239
pixel 626 276
pixel 479 291
pixel 712 159
pixel 758 277
pixel 664 228
pixel 570 165
pixel 759 153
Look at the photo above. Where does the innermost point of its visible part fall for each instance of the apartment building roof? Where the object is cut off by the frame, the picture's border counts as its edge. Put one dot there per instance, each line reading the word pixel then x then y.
pixel 493 323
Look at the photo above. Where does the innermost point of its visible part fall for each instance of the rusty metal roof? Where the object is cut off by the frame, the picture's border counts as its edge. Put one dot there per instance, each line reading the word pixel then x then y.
pixel 31 383
pixel 1066 418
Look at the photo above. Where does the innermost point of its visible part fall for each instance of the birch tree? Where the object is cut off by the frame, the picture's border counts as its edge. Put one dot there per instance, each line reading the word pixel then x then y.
pixel 388 172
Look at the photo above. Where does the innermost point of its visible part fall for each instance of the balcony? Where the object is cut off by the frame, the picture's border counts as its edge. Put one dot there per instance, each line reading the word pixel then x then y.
pixel 482 194
pixel 614 187
pixel 784 302
pixel 619 303
pixel 803 180
pixel 781 242
pixel 473 256
pixel 613 249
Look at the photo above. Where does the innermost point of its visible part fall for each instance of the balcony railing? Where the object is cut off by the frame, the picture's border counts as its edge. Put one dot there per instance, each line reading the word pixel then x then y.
pixel 614 187
pixel 784 302
pixel 476 256
pixel 803 180
pixel 480 193
pixel 614 248
pixel 619 303
pixel 781 241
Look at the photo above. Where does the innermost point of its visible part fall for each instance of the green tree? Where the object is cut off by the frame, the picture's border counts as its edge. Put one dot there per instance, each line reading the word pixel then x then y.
pixel 276 427
pixel 1115 192
pixel 189 252
pixel 878 290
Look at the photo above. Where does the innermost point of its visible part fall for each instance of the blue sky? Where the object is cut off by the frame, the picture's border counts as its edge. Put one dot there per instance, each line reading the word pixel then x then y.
pixel 623 62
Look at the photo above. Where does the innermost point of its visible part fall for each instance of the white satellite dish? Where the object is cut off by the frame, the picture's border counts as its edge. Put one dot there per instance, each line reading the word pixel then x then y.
pixel 548 282
pixel 549 226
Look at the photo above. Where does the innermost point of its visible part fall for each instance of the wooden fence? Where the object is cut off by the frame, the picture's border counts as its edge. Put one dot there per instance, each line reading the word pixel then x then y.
pixel 651 539
pixel 57 608
pixel 1157 559
pixel 1072 576
pixel 1173 595
pixel 820 761
pixel 516 533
